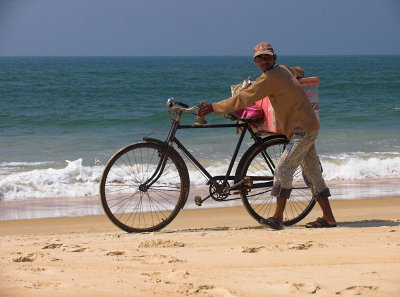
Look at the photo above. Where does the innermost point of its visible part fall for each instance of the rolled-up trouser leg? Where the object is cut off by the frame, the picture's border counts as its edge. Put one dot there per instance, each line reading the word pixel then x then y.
pixel 312 170
pixel 294 155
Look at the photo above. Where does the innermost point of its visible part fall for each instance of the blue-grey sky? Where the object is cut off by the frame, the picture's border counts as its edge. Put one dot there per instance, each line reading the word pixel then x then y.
pixel 197 27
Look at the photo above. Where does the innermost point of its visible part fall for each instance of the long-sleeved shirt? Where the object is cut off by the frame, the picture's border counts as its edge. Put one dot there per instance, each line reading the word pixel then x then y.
pixel 291 105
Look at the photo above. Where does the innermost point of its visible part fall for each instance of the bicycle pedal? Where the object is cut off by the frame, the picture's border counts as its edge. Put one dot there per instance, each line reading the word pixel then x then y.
pixel 198 201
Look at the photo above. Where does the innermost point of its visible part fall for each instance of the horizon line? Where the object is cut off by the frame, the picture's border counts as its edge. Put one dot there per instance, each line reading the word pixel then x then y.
pixel 182 56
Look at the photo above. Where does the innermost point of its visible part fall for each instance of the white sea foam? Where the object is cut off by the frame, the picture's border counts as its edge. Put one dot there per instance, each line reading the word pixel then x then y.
pixel 20 180
pixel 72 180
pixel 358 166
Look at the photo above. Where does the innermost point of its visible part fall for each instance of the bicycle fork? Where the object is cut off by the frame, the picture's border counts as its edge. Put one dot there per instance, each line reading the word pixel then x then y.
pixel 163 157
pixel 157 173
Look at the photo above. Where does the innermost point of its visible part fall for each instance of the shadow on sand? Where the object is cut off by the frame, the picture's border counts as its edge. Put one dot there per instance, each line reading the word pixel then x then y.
pixel 369 223
pixel 354 224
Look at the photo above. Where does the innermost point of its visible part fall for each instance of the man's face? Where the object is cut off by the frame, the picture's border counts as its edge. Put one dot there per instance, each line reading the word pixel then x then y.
pixel 265 62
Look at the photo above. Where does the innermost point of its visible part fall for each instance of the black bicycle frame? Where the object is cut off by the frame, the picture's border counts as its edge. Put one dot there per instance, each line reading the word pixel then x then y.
pixel 172 139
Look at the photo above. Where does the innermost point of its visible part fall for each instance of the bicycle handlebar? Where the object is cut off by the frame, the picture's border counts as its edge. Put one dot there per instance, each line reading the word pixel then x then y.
pixel 181 106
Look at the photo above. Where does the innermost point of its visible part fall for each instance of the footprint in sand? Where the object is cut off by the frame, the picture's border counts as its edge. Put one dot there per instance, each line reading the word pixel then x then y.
pixel 159 243
pixel 301 246
pixel 253 250
pixel 306 288
pixel 115 253
pixel 357 290
pixel 175 276
pixel 304 245
pixel 211 290
pixel 157 259
pixel 200 288
pixel 52 246
pixel 28 258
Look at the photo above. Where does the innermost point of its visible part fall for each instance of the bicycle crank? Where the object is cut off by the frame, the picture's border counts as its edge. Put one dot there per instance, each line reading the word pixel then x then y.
pixel 247 183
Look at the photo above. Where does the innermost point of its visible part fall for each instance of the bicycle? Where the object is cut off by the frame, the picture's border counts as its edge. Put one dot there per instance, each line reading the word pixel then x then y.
pixel 144 185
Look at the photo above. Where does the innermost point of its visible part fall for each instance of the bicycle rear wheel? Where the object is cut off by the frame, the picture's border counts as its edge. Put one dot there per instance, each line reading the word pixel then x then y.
pixel 134 207
pixel 259 202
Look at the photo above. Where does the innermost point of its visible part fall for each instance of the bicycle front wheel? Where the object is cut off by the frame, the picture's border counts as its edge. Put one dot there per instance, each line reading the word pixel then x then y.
pixel 259 165
pixel 134 204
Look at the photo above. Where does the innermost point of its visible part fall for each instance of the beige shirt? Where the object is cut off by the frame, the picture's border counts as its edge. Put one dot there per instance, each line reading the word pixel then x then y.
pixel 292 107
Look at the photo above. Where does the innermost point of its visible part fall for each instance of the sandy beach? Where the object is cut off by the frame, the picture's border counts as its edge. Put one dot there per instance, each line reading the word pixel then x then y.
pixel 206 252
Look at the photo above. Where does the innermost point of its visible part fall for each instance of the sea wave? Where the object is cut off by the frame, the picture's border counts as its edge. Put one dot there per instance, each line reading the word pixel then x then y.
pixel 72 180
pixel 23 180
pixel 356 166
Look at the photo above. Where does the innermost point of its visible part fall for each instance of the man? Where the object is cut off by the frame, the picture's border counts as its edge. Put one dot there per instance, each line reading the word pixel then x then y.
pixel 299 123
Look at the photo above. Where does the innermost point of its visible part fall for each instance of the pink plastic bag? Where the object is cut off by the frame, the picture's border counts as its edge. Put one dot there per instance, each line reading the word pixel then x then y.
pixel 250 112
pixel 269 124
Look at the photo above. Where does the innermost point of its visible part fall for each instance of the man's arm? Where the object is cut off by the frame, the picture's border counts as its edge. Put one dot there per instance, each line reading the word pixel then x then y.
pixel 262 88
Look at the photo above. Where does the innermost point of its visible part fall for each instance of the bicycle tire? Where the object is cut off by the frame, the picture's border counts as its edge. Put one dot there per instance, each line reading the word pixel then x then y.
pixel 259 202
pixel 126 203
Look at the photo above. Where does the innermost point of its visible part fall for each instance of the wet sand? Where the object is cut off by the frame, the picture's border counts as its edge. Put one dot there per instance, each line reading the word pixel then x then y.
pixel 90 206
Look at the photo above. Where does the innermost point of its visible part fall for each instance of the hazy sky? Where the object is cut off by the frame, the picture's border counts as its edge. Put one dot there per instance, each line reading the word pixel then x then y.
pixel 197 27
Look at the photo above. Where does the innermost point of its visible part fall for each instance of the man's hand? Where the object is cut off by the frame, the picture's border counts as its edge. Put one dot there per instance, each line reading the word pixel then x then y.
pixel 205 109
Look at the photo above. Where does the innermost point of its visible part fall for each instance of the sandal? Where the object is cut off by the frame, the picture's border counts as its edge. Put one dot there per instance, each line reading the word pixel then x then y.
pixel 272 223
pixel 320 223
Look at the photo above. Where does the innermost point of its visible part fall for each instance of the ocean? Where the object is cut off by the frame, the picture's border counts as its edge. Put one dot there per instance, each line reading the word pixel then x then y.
pixel 62 118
